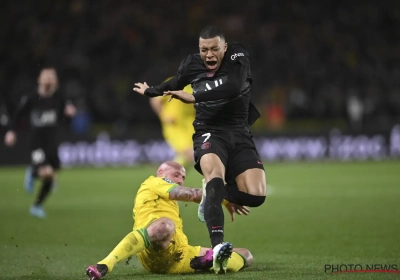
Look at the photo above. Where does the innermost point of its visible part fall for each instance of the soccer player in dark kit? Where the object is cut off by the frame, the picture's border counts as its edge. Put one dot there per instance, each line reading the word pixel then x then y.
pixel 224 150
pixel 46 108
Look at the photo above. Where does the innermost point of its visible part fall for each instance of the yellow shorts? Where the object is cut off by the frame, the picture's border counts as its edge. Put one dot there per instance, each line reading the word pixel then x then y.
pixel 172 260
pixel 179 136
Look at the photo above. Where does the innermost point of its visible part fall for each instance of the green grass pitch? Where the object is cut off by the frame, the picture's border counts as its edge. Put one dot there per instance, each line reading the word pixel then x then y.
pixel 318 213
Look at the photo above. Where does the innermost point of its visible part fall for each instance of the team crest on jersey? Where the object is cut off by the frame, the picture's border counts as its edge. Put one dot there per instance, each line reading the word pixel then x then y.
pixel 167 180
pixel 206 145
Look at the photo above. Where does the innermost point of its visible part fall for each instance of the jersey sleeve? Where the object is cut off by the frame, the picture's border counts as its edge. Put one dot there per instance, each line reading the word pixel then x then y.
pixel 162 187
pixel 176 83
pixel 24 106
pixel 239 71
pixel 239 54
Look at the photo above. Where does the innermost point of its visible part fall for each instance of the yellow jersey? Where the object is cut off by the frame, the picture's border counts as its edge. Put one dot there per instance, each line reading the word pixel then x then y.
pixel 178 110
pixel 152 202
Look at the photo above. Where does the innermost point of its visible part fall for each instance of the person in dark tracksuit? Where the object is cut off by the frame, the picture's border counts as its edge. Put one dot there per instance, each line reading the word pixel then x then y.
pixel 46 109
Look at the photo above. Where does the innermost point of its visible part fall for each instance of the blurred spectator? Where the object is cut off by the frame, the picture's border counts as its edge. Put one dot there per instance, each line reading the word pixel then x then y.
pixel 355 110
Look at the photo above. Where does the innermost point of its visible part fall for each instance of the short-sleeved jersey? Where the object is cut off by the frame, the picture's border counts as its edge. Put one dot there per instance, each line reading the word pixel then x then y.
pixel 152 202
pixel 224 113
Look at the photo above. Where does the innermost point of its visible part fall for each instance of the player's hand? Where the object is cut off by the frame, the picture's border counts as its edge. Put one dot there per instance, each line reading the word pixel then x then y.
pixel 10 138
pixel 181 95
pixel 70 110
pixel 140 87
pixel 238 209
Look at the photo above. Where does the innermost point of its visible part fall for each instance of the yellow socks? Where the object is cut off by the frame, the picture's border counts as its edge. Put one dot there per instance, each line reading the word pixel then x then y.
pixel 131 245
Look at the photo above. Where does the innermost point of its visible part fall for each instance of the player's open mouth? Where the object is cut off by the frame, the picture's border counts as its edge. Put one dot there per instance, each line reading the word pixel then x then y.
pixel 211 65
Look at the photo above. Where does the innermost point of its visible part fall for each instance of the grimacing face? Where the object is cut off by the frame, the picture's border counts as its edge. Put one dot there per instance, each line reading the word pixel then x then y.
pixel 212 52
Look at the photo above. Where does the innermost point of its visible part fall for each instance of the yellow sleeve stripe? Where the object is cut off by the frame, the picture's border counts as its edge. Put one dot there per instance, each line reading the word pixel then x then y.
pixel 171 188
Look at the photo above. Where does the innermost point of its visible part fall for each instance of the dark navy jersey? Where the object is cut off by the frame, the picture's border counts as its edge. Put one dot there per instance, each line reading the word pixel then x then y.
pixel 222 99
pixel 45 115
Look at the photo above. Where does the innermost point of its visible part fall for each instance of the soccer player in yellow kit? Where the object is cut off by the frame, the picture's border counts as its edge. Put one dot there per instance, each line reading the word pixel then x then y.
pixel 158 239
pixel 177 125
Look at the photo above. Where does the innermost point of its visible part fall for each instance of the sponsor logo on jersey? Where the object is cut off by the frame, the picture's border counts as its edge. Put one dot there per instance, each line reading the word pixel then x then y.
pixel 234 56
pixel 168 180
pixel 216 84
pixel 43 118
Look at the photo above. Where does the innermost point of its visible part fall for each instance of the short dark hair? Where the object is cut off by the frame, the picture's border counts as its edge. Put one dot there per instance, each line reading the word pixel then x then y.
pixel 211 32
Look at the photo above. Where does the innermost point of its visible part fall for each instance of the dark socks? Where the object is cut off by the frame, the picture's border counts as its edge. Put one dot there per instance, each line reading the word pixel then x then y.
pixel 213 212
pixel 44 191
pixel 102 268
pixel 242 198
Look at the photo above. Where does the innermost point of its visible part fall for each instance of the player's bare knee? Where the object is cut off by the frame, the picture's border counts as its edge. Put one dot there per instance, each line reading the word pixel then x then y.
pixel 251 189
pixel 252 182
pixel 46 172
pixel 161 230
pixel 249 258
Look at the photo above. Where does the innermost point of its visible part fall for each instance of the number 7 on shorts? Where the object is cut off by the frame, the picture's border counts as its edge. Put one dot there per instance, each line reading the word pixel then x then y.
pixel 207 135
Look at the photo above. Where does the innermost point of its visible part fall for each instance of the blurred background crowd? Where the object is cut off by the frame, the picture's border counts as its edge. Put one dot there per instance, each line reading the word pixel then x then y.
pixel 315 63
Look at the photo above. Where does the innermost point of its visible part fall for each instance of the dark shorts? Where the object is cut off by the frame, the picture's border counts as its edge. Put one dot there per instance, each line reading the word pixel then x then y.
pixel 236 150
pixel 42 156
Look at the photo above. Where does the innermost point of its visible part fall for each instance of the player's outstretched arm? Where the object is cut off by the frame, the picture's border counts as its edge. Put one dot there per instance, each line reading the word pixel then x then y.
pixel 172 84
pixel 141 87
pixel 230 89
pixel 24 106
pixel 180 95
pixel 182 193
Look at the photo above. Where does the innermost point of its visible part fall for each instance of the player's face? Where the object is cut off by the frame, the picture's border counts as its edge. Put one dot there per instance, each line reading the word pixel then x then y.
pixel 177 175
pixel 47 82
pixel 212 52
